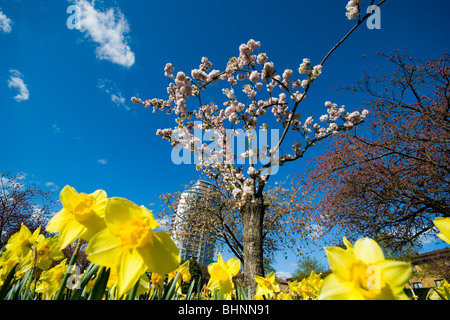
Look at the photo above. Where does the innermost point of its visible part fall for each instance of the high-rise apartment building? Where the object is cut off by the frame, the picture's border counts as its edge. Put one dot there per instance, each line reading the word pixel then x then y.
pixel 197 245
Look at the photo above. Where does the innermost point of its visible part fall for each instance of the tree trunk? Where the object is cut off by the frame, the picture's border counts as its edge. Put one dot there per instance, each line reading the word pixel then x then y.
pixel 253 216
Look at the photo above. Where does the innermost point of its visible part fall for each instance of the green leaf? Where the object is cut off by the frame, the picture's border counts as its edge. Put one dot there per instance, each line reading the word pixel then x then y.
pixel 7 283
pixel 132 293
pixel 87 276
pixel 168 295
pixel 189 292
pixel 100 284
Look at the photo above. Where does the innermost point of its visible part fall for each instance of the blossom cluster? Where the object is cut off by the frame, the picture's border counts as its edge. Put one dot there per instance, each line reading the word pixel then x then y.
pixel 352 9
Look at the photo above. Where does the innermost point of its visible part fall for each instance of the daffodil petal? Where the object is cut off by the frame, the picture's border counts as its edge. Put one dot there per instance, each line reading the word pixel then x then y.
pixel 59 220
pixel 271 277
pixel 234 264
pixel 119 211
pixel 103 249
pixel 443 224
pixel 333 289
pixel 347 243
pixel 161 255
pixel 98 195
pixel 339 260
pixel 148 213
pixel 396 273
pixel 100 207
pixel 70 232
pixel 368 250
pixel 259 280
pixel 130 269
pixel 213 284
pixel 66 194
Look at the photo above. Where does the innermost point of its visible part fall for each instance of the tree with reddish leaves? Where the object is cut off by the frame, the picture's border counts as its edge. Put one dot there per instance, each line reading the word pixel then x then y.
pixel 22 202
pixel 390 178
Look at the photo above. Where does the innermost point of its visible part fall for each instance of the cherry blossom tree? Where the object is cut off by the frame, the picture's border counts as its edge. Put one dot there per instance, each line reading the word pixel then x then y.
pixel 268 104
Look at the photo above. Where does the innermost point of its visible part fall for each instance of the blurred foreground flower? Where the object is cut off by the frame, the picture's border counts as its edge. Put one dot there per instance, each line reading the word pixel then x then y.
pixel 81 215
pixel 362 273
pixel 440 293
pixel 443 224
pixel 129 244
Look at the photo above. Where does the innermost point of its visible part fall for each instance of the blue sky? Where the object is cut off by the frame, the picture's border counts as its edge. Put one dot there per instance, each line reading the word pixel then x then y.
pixel 65 110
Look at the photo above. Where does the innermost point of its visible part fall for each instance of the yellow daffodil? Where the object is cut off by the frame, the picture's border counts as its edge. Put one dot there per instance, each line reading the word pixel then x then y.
pixel 443 291
pixel 157 281
pixel 293 285
pixel 307 288
pixel 81 215
pixel 21 242
pixel 364 274
pixel 7 262
pixel 284 296
pixel 47 251
pixel 267 286
pixel 443 224
pixel 50 280
pixel 222 274
pixel 348 244
pixel 304 290
pixel 129 244
pixel 184 275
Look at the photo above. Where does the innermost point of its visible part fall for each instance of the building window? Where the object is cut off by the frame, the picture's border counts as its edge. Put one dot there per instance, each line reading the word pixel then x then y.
pixel 417 285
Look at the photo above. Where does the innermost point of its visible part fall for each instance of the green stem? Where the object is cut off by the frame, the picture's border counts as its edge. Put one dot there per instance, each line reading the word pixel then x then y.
pixel 133 291
pixel 66 275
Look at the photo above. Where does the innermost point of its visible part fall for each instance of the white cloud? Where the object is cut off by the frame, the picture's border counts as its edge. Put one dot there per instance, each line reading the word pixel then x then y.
pixel 108 30
pixel 5 23
pixel 283 274
pixel 102 161
pixel 56 128
pixel 110 88
pixel 52 186
pixel 16 81
pixel 119 100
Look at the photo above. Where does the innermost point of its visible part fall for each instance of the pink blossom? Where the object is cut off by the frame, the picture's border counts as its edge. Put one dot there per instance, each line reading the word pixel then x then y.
pixel 262 58
pixel 305 83
pixel 206 65
pixel 236 192
pixel 287 74
pixel 254 76
pixel 213 76
pixel 309 121
pixel 199 74
pixel 251 171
